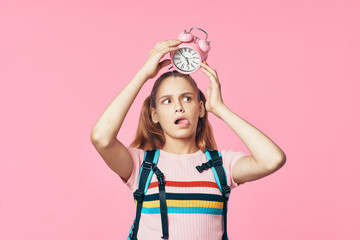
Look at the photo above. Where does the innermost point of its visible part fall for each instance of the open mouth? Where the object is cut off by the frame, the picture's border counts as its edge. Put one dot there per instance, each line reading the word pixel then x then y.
pixel 182 122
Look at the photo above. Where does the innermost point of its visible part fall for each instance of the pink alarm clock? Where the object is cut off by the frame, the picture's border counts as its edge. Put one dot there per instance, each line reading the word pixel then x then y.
pixel 192 52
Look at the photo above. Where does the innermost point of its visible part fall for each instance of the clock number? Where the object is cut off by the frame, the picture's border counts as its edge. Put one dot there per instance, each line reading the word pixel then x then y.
pixel 186 59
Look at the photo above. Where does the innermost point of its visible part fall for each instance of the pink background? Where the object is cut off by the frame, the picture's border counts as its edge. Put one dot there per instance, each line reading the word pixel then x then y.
pixel 291 68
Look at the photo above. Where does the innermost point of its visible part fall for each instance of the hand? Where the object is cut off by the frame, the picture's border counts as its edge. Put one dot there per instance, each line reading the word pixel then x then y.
pixel 152 64
pixel 213 92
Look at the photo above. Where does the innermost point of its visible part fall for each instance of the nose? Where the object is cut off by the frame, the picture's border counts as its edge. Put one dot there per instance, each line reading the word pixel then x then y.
pixel 179 108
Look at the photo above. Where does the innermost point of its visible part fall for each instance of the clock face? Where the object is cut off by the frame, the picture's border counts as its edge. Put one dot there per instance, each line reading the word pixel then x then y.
pixel 186 59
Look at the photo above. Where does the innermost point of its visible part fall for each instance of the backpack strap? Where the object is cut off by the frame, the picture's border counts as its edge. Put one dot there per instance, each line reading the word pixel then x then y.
pixel 163 208
pixel 146 172
pixel 147 169
pixel 215 162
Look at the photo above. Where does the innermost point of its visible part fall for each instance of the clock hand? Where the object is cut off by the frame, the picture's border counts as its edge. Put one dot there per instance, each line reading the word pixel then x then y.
pixel 182 55
pixel 187 59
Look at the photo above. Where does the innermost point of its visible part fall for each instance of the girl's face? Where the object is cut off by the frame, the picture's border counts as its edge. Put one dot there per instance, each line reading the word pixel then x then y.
pixel 177 109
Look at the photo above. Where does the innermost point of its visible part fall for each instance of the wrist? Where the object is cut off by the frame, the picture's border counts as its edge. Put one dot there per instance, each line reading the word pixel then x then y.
pixel 219 110
pixel 141 76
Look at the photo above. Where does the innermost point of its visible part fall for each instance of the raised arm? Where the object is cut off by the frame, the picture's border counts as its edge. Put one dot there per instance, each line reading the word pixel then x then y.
pixel 104 134
pixel 266 157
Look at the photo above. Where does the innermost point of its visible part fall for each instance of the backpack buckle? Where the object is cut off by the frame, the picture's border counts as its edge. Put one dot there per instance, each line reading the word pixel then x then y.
pixel 226 191
pixel 161 178
pixel 147 165
pixel 139 195
pixel 204 166
pixel 217 161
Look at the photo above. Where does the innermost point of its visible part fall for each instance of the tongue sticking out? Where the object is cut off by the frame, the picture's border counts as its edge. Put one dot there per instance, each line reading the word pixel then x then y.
pixel 183 122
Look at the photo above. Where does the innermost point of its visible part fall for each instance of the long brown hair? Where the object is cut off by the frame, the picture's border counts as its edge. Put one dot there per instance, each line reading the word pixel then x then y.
pixel 149 135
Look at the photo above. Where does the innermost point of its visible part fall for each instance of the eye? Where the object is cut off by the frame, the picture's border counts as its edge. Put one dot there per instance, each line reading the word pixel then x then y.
pixel 187 99
pixel 166 101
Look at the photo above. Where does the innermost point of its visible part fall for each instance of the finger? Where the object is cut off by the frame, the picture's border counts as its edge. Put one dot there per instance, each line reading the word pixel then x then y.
pixel 159 54
pixel 207 67
pixel 208 91
pixel 173 42
pixel 168 49
pixel 211 77
pixel 164 63
pixel 169 43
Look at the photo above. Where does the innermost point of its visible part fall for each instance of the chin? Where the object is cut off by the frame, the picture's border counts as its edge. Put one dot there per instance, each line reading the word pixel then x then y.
pixel 183 133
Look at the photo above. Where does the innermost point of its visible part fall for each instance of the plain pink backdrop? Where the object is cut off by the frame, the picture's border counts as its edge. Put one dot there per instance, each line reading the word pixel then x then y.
pixel 291 68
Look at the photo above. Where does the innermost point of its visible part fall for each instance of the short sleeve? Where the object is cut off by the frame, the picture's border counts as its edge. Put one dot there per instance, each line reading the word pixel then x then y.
pixel 229 159
pixel 137 156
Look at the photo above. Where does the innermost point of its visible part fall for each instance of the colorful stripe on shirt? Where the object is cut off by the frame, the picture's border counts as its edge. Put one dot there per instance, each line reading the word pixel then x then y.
pixel 185 184
pixel 198 203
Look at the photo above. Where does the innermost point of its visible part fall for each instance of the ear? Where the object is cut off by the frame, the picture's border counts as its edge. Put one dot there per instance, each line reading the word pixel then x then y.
pixel 154 117
pixel 201 109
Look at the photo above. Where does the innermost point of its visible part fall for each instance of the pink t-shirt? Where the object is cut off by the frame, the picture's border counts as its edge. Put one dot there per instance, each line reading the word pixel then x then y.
pixel 194 201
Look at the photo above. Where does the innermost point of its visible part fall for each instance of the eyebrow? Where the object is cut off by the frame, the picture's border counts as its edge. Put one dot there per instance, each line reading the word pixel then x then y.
pixel 185 93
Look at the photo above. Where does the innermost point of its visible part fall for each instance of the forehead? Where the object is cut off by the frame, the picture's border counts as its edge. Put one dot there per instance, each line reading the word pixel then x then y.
pixel 175 86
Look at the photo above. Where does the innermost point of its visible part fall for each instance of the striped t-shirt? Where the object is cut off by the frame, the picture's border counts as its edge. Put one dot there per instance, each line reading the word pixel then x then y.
pixel 194 201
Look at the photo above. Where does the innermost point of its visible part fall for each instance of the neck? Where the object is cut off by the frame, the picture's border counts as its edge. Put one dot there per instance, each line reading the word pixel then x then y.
pixel 180 146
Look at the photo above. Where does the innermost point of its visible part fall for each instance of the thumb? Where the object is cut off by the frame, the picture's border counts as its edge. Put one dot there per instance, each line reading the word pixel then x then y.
pixel 164 63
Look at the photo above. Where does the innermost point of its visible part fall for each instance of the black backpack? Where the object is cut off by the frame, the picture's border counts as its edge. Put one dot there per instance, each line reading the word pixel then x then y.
pixel 149 166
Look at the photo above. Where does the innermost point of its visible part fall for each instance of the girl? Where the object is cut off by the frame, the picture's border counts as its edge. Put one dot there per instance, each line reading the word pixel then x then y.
pixel 174 120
